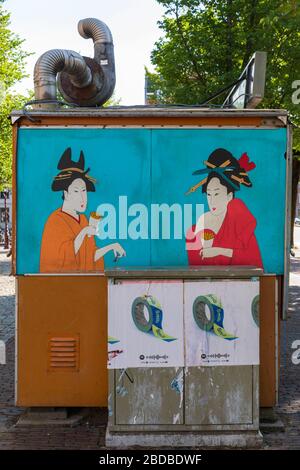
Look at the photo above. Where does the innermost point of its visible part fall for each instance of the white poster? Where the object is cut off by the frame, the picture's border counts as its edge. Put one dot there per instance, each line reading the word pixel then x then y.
pixel 221 323
pixel 145 324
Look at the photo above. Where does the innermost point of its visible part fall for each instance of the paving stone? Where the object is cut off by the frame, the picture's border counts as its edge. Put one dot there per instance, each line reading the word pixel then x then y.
pixel 90 432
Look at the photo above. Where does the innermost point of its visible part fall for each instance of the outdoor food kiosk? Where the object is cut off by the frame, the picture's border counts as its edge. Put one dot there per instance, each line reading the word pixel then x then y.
pixel 152 242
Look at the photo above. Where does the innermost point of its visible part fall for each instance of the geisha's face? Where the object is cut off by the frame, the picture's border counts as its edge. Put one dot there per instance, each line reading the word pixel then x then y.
pixel 76 195
pixel 217 197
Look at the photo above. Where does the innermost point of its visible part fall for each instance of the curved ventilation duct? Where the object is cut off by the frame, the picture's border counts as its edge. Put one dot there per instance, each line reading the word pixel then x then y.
pixel 81 80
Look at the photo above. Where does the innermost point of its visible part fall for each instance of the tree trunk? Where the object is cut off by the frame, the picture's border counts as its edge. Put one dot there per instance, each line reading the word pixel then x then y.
pixel 253 21
pixel 230 24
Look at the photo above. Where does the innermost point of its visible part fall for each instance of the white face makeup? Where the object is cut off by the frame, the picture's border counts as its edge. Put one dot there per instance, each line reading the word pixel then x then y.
pixel 76 195
pixel 217 197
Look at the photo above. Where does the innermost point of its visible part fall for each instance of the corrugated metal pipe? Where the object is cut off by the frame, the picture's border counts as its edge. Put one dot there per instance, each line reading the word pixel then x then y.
pixel 81 80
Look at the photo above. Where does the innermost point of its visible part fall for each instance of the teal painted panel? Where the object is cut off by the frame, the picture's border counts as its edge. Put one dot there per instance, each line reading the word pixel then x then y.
pixel 177 153
pixel 118 159
pixel 146 167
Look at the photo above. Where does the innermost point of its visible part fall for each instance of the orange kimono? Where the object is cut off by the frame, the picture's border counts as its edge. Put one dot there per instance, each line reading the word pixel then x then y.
pixel 57 246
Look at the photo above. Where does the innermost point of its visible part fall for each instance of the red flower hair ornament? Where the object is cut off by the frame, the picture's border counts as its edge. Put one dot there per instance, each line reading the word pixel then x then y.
pixel 245 163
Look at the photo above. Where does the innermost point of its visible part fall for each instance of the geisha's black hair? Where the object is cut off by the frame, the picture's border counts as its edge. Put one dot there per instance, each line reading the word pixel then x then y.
pixel 71 170
pixel 217 158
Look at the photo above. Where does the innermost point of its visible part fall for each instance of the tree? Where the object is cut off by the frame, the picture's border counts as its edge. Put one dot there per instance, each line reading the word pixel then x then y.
pixel 12 69
pixel 8 103
pixel 207 43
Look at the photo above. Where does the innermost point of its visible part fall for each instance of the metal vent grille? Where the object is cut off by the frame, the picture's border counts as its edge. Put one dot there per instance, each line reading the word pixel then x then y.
pixel 63 353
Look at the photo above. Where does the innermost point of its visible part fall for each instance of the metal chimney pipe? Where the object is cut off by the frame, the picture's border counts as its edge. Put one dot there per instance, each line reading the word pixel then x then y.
pixel 52 62
pixel 81 80
pixel 101 35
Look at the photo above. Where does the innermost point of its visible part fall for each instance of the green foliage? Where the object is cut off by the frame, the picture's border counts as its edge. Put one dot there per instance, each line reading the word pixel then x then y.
pixel 12 58
pixel 113 101
pixel 8 103
pixel 296 142
pixel 206 45
pixel 12 69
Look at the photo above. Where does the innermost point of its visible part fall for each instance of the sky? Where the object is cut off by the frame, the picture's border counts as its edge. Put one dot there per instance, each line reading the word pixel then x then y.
pixel 53 25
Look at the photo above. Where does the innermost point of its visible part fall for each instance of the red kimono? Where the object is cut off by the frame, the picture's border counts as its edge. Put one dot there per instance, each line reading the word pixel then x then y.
pixel 236 233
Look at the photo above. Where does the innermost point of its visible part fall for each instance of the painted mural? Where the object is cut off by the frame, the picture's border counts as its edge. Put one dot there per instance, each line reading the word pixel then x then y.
pixel 92 198
pixel 225 234
pixel 68 240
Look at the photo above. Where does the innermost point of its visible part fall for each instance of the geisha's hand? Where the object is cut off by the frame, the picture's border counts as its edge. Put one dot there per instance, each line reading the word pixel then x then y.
pixel 209 252
pixel 89 230
pixel 213 251
pixel 116 247
pixel 118 250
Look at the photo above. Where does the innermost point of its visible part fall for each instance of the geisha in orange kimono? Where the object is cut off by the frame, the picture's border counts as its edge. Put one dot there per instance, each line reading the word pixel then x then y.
pixel 68 243
pixel 225 235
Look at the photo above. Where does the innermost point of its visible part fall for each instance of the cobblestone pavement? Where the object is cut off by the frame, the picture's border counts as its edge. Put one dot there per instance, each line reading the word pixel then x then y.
pixel 289 387
pixel 89 434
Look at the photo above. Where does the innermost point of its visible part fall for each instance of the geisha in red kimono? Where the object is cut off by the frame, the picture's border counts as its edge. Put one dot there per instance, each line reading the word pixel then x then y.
pixel 225 235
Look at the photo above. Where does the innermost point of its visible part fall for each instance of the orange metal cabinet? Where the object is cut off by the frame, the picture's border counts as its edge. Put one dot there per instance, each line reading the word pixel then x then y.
pixel 62 341
pixel 269 341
